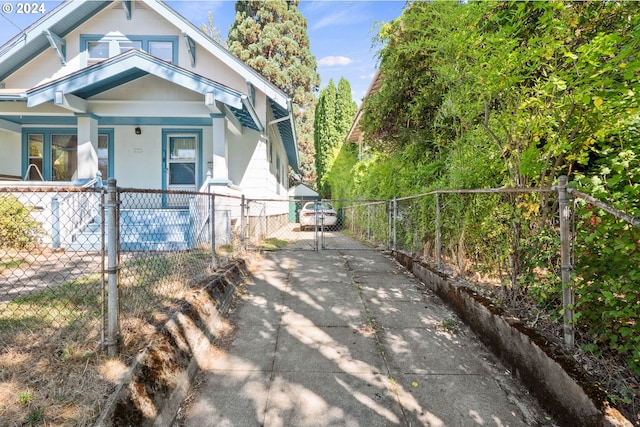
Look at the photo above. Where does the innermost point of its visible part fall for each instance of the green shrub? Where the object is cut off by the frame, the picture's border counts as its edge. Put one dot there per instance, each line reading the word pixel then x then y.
pixel 18 229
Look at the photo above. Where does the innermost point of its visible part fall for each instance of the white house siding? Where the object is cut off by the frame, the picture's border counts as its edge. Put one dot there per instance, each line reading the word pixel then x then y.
pixel 152 88
pixel 10 159
pixel 138 158
pixel 38 71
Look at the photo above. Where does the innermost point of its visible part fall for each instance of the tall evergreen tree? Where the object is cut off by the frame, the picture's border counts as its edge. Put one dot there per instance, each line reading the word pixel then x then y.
pixel 271 37
pixel 334 115
pixel 324 132
pixel 346 108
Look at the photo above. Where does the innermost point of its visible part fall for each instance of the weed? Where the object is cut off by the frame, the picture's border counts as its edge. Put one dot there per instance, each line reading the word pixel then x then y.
pixel 26 397
pixel 448 325
pixel 272 243
pixel 34 416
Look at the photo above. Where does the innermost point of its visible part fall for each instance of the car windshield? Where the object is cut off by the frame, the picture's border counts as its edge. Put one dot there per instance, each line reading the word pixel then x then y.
pixel 321 206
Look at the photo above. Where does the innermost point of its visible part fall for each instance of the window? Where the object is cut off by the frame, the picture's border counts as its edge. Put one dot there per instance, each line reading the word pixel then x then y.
pixel 162 50
pixel 99 48
pixel 52 154
pixel 103 155
pixel 125 45
pixel 64 154
pixel 36 155
pixel 97 51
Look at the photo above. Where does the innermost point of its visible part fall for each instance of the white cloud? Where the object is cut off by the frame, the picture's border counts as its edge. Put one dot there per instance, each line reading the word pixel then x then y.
pixel 334 61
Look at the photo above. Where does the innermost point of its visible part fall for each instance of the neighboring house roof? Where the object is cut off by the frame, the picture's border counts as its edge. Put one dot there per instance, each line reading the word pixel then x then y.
pixel 355 133
pixel 50 30
pixel 302 190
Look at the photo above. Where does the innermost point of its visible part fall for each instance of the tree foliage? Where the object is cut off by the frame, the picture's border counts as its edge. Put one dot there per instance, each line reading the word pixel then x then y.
pixel 18 229
pixel 271 37
pixel 492 94
pixel 335 112
pixel 211 30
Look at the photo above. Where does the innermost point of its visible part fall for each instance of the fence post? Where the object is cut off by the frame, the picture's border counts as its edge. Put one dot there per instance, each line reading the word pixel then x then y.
pixel 212 225
pixel 315 229
pixel 55 225
pixel 191 237
pixel 243 230
pixel 438 233
pixel 113 304
pixel 368 222
pixel 568 296
pixel 395 224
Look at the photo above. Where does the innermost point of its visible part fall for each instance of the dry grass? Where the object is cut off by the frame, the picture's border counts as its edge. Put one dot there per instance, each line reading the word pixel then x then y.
pixel 52 370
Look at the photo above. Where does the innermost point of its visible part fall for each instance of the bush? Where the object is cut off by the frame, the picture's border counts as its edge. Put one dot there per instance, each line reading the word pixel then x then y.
pixel 18 229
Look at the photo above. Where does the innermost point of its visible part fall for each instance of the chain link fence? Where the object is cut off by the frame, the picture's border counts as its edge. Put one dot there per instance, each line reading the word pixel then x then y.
pixel 66 253
pixel 45 288
pixel 56 263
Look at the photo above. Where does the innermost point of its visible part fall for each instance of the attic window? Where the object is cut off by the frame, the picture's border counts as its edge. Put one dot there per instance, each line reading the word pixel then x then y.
pixel 97 51
pixel 99 48
pixel 162 50
pixel 126 45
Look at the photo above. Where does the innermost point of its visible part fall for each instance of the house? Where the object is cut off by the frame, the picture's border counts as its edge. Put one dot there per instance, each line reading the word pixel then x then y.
pixel 356 135
pixel 132 90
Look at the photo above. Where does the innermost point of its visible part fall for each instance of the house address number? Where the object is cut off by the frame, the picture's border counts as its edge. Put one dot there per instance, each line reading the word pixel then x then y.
pixel 23 8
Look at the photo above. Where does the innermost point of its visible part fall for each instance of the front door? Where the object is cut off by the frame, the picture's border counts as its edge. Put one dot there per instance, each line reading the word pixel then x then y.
pixel 181 167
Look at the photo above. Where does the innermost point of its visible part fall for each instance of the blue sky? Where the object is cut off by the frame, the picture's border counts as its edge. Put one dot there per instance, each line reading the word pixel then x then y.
pixel 340 31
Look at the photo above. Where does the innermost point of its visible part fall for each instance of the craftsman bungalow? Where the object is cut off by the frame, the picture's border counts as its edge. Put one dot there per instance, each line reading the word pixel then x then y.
pixel 135 91
pixel 132 90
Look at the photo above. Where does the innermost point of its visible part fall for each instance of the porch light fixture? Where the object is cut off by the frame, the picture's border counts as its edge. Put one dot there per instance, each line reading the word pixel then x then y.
pixel 58 98
pixel 138 131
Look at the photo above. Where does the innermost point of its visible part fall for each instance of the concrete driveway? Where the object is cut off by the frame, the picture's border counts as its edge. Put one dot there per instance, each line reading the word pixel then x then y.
pixel 348 338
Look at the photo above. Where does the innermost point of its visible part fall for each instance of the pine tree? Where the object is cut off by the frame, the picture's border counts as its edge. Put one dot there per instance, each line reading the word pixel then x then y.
pixel 211 30
pixel 271 37
pixel 334 115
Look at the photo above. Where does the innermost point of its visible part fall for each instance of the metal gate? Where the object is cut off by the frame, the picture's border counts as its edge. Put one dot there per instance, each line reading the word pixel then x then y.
pixel 297 224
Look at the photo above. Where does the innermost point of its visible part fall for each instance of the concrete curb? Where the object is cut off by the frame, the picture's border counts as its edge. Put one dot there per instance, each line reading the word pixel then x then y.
pixel 555 380
pixel 158 381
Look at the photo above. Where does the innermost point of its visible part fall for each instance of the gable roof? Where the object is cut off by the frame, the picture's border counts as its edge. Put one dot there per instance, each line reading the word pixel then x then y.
pixel 61 20
pixel 132 65
pixel 302 190
pixel 67 16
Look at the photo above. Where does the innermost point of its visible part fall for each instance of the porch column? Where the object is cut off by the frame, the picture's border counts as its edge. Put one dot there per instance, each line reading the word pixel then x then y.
pixel 87 147
pixel 220 150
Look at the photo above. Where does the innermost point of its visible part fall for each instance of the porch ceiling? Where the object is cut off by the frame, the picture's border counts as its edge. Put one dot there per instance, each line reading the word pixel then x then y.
pixel 132 65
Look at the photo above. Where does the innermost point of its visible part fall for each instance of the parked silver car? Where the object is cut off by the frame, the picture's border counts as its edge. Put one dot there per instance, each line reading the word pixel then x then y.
pixel 326 215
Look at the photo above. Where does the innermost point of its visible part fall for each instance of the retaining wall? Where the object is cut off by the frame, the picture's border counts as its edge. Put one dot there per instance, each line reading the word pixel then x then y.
pixel 552 377
pixel 158 381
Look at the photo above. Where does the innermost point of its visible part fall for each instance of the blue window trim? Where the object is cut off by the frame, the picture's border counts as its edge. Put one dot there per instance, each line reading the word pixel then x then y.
pixel 199 159
pixel 85 38
pixel 46 147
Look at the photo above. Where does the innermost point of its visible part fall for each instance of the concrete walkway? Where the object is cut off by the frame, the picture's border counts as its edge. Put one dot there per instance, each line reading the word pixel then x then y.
pixel 348 338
